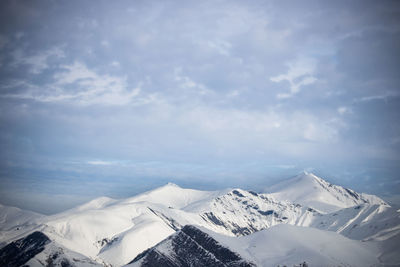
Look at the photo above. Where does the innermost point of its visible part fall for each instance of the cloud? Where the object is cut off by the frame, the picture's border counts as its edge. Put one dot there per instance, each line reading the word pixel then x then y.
pixel 189 84
pixel 283 166
pixel 344 110
pixel 384 97
pixel 265 129
pixel 319 133
pixel 78 84
pixel 184 84
pixel 3 41
pixel 101 162
pixel 38 62
pixel 299 74
pixel 222 47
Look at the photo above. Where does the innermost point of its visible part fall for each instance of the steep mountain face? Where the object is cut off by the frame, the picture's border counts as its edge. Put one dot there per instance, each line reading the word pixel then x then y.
pixel 14 223
pixel 309 190
pixel 55 255
pixel 112 234
pixel 190 247
pixel 363 222
pixel 241 212
pixel 36 249
pixel 282 245
pixel 116 231
pixel 20 251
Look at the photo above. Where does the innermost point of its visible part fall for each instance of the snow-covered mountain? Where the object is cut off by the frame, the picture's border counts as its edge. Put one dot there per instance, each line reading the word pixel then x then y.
pixel 281 245
pixel 310 190
pixel 190 247
pixel 36 249
pixel 114 232
pixel 14 220
pixel 11 217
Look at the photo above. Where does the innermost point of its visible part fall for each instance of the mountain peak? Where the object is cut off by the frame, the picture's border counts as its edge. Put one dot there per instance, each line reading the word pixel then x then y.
pixel 172 195
pixel 312 191
pixel 189 247
pixel 172 185
pixel 307 175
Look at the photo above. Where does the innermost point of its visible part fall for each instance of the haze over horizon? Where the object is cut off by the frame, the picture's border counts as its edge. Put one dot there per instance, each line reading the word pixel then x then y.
pixel 115 98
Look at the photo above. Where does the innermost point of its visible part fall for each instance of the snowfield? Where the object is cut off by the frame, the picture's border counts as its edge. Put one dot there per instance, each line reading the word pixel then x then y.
pixel 291 245
pixel 302 219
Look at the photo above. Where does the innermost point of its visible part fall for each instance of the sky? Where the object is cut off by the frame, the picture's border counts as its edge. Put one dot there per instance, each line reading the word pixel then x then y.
pixel 112 98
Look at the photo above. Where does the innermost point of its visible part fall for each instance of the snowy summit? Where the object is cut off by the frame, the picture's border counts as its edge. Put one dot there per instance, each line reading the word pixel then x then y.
pixel 304 220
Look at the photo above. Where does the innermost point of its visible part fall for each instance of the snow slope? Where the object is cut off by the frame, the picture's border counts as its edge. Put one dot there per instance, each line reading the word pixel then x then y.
pixel 11 217
pixel 241 212
pixel 36 249
pixel 291 245
pixel 279 245
pixel 309 190
pixel 110 234
pixel 116 231
pixel 190 247
pixel 15 223
pixel 363 222
pixel 173 196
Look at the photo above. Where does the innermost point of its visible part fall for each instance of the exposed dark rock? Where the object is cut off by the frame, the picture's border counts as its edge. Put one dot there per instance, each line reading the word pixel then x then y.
pixel 57 259
pixel 311 210
pixel 242 231
pixel 107 242
pixel 237 193
pixel 191 247
pixel 253 193
pixel 266 213
pixel 352 193
pixel 169 221
pixel 210 216
pixel 22 250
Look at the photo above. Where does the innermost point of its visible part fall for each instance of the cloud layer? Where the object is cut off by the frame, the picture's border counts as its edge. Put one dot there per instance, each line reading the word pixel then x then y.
pixel 209 94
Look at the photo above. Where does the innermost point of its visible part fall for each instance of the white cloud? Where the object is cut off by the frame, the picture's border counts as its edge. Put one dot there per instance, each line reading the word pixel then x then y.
pixel 81 85
pixel 319 132
pixel 222 47
pixel 115 64
pixel 93 88
pixel 39 61
pixel 343 110
pixel 284 166
pixel 384 97
pixel 105 43
pixel 299 74
pixel 100 162
pixel 189 84
pixel 233 93
pixel 262 129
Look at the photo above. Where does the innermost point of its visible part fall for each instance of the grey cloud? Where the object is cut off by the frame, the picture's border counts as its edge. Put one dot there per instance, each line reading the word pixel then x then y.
pixel 216 89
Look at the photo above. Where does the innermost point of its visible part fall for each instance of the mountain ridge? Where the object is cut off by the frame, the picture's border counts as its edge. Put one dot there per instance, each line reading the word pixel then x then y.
pixel 114 232
pixel 310 190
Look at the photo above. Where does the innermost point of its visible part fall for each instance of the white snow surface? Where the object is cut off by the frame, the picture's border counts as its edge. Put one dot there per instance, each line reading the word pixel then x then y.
pixel 11 217
pixel 115 231
pixel 312 191
pixel 14 223
pixel 171 195
pixel 291 245
pixel 58 255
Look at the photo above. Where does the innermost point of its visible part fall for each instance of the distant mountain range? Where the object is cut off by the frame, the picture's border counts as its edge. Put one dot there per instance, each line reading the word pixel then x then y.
pixel 304 221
